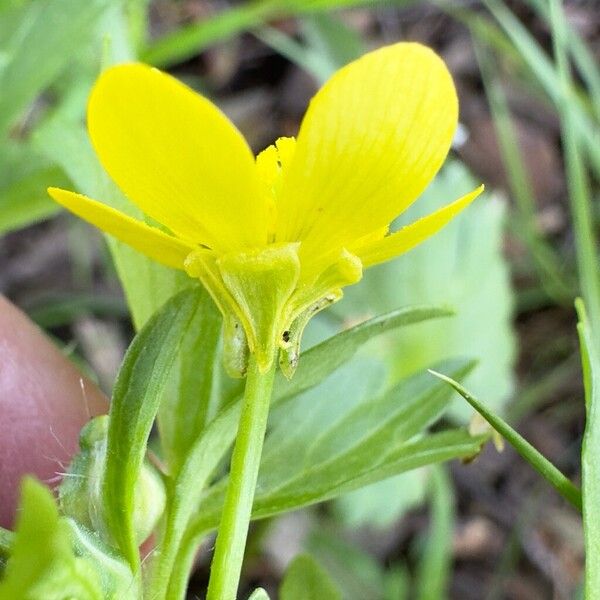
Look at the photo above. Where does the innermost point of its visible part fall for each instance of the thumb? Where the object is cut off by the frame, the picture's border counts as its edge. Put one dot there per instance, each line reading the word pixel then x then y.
pixel 44 402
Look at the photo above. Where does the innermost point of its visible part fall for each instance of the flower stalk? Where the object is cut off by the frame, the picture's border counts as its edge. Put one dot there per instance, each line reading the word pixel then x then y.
pixel 233 530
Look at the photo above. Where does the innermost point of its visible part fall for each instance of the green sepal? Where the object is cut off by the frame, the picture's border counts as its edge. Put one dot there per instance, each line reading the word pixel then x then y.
pixel 261 283
pixel 289 353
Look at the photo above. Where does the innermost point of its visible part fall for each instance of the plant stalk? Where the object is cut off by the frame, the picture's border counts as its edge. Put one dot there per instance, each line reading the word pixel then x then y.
pixel 227 561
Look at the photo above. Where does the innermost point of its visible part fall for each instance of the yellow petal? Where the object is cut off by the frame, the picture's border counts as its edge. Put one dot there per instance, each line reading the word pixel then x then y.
pixel 176 156
pixel 408 237
pixel 150 241
pixel 372 139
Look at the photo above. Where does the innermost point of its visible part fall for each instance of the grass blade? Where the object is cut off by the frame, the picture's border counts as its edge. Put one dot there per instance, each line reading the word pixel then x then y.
pixel 541 464
pixel 577 181
pixel 545 259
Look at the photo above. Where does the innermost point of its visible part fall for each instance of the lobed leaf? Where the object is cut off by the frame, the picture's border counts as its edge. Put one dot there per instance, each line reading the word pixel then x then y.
pixel 299 474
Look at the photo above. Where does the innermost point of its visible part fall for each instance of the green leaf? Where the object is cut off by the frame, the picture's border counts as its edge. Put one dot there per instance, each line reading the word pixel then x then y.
pixel 371 440
pixel 187 405
pixel 259 594
pixel 590 451
pixel 24 177
pixel 305 579
pixel 39 38
pixel 435 563
pixel 136 396
pixel 42 562
pixel 355 572
pixel 541 464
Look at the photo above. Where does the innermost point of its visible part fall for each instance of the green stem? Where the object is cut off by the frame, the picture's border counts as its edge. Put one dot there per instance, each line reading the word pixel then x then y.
pixel 233 530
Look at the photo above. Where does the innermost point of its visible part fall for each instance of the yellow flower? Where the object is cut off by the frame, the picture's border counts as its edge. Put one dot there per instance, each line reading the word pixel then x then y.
pixel 274 238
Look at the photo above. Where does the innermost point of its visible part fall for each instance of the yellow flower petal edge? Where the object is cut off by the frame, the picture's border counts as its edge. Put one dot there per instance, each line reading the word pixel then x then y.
pixel 372 139
pixel 148 240
pixel 177 157
pixel 412 235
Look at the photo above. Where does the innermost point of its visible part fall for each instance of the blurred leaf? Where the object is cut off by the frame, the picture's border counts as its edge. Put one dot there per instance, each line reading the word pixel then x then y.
pixel 259 594
pixel 305 579
pixel 583 57
pixel 436 560
pixel 191 39
pixel 356 572
pixel 546 259
pixel 462 266
pixel 24 178
pixel 580 197
pixel 367 505
pixel 42 562
pixel 329 45
pixel 541 464
pixel 39 39
pixel 137 393
pixel 57 310
pixel 590 451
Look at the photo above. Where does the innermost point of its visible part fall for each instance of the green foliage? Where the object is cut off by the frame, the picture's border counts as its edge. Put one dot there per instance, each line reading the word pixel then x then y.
pixel 192 395
pixel 39 37
pixel 329 45
pixel 23 180
pixel 590 451
pixel 308 458
pixel 305 579
pixel 37 42
pixel 135 401
pixel 42 563
pixel 549 78
pixel 214 441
